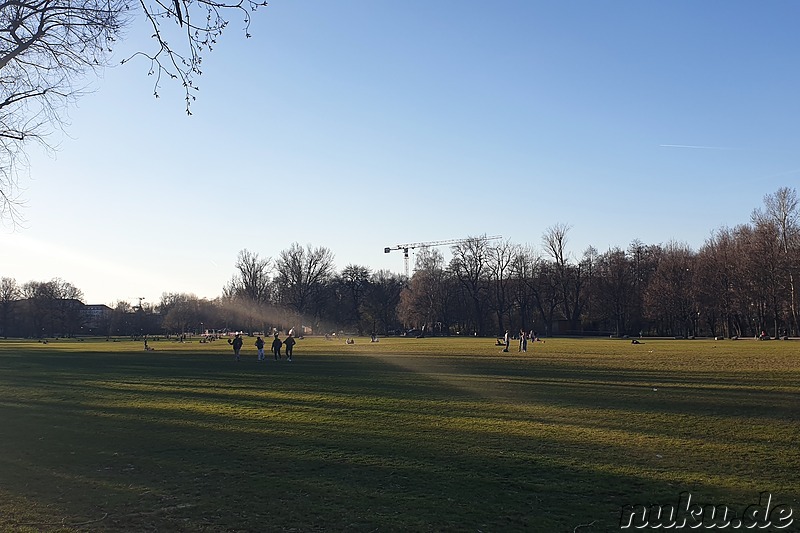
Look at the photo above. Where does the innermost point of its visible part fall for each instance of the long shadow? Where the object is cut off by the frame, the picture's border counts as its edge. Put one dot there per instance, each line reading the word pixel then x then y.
pixel 351 444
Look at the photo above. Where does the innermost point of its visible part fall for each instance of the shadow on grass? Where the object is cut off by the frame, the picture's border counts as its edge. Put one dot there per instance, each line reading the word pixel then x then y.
pixel 361 443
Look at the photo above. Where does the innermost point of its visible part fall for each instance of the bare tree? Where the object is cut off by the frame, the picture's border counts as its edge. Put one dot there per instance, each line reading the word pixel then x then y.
pixel 469 264
pixel 670 296
pixel 51 307
pixel 644 263
pixel 501 258
pixel 48 48
pixel 381 300
pixel 782 210
pixel 180 312
pixel 569 277
pixel 252 281
pixel 196 25
pixel 554 241
pixel 68 303
pixel 719 268
pixel 766 282
pixel 9 293
pixel 354 280
pixel 120 321
pixel 613 286
pixel 426 298
pixel 302 275
pixel 546 291
pixel 524 273
pixel 588 270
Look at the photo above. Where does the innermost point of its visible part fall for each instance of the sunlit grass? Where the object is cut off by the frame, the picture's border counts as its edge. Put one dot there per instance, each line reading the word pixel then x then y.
pixel 401 435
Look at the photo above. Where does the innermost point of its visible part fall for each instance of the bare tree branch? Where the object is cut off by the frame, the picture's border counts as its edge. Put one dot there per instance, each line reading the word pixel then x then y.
pixel 49 48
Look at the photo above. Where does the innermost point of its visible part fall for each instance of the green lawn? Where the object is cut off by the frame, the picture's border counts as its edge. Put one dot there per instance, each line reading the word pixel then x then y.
pixel 401 435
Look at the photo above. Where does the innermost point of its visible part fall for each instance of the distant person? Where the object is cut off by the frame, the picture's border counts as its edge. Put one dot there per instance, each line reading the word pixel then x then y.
pixel 260 347
pixel 523 341
pixel 276 347
pixel 289 343
pixel 506 341
pixel 237 345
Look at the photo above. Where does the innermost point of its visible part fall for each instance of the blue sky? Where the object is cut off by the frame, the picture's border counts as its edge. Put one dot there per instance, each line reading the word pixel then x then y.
pixel 358 125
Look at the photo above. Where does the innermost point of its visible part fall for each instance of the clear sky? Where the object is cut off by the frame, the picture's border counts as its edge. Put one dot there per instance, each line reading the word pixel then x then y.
pixel 357 125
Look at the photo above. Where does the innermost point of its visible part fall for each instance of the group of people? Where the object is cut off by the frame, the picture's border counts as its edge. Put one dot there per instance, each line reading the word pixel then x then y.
pixel 524 336
pixel 288 343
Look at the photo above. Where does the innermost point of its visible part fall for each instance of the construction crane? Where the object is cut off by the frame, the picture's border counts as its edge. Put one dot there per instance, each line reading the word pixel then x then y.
pixel 411 246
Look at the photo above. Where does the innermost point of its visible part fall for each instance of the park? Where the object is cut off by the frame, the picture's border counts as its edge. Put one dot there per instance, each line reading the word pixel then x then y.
pixel 404 434
pixel 664 393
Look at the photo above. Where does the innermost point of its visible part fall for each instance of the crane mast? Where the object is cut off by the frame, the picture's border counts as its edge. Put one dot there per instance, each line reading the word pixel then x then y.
pixel 411 246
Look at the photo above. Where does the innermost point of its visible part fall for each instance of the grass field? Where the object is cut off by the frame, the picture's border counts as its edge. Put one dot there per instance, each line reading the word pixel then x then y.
pixel 401 435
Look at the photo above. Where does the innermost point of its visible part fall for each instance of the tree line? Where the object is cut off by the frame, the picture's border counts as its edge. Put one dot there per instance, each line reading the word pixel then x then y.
pixel 741 282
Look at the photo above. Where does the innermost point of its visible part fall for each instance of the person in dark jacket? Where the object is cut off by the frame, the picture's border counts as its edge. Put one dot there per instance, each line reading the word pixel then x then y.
pixel 289 343
pixel 260 348
pixel 276 347
pixel 237 345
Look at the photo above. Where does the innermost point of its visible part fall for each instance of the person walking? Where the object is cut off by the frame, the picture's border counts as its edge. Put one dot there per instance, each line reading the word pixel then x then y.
pixel 237 343
pixel 260 347
pixel 523 341
pixel 276 347
pixel 289 343
pixel 506 341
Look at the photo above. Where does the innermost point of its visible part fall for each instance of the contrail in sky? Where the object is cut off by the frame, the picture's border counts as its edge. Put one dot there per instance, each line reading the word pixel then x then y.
pixel 695 147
